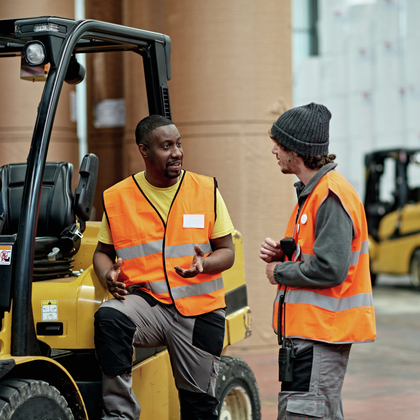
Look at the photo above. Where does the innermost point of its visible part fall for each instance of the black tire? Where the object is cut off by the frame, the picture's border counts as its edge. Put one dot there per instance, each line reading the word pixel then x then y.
pixel 27 399
pixel 415 269
pixel 237 391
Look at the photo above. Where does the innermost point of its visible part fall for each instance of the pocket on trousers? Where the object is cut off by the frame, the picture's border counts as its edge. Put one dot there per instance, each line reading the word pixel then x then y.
pixel 209 333
pixel 305 408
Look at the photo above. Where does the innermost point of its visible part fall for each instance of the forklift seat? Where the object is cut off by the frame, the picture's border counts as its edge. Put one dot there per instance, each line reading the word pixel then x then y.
pixel 56 206
pixel 58 236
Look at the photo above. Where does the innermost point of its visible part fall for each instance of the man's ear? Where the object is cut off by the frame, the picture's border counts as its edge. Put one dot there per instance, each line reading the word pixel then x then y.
pixel 143 150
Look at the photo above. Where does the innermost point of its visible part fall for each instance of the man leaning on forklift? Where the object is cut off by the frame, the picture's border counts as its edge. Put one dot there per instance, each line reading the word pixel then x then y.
pixel 161 253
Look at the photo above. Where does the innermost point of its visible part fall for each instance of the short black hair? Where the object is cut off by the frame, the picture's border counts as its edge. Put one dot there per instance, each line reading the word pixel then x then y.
pixel 147 125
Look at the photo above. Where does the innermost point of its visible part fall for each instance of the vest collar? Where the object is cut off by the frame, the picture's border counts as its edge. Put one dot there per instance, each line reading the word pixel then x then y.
pixel 303 190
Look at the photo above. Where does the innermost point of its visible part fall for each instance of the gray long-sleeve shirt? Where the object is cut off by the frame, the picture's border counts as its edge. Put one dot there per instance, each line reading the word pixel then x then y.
pixel 332 246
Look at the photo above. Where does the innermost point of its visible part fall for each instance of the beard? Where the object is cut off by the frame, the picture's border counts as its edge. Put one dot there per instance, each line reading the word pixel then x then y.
pixel 288 164
pixel 173 173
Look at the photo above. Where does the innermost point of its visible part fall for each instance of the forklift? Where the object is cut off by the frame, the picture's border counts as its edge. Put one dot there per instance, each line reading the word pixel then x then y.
pixel 392 205
pixel 49 292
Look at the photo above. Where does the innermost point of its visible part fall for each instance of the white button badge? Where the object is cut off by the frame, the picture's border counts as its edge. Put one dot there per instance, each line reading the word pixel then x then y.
pixel 303 219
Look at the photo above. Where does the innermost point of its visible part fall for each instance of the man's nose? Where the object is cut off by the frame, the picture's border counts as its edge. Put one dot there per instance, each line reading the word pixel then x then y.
pixel 176 151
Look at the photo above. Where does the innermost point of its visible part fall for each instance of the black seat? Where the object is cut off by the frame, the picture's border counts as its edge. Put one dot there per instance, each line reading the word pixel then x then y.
pixel 58 235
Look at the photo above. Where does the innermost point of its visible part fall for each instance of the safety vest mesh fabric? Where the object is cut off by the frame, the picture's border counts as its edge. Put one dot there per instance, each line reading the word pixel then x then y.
pixel 340 314
pixel 150 249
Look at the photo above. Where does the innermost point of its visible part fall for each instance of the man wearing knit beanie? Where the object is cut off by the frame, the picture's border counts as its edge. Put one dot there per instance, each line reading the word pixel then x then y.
pixel 321 268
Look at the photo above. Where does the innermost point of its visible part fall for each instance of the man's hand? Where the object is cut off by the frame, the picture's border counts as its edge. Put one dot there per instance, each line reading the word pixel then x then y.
pixel 269 271
pixel 271 251
pixel 115 287
pixel 196 267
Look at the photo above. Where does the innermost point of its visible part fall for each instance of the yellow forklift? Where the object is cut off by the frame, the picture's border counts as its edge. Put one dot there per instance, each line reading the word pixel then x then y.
pixel 48 289
pixel 392 205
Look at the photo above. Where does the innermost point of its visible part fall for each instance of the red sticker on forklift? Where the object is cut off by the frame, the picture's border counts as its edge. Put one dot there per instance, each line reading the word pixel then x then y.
pixel 5 254
pixel 49 310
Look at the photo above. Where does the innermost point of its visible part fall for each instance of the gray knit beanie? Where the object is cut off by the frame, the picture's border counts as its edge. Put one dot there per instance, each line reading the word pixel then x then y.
pixel 304 129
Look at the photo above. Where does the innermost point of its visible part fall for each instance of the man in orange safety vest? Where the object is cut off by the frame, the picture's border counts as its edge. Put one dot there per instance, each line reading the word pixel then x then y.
pixel 164 241
pixel 321 269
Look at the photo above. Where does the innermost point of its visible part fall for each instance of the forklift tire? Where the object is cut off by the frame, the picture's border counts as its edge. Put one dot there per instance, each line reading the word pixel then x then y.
pixel 28 399
pixel 415 269
pixel 237 391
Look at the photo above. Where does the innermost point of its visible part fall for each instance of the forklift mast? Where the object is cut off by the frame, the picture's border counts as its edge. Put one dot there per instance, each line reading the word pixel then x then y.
pixel 376 206
pixel 56 42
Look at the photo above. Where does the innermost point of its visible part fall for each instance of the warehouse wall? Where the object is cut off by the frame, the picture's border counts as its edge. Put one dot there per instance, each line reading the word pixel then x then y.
pixel 20 98
pixel 367 73
pixel 231 79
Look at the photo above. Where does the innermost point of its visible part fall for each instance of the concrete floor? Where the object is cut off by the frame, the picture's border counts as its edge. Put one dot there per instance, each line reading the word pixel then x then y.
pixel 383 378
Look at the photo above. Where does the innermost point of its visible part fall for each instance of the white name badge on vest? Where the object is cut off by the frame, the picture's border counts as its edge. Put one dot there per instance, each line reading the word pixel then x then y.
pixel 194 221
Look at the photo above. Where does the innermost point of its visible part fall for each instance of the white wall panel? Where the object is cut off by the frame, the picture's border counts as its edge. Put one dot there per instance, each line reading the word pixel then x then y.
pixel 389 55
pixel 334 73
pixel 412 108
pixel 411 60
pixel 337 104
pixel 389 140
pixel 360 118
pixel 413 138
pixel 388 112
pixel 360 48
pixel 387 21
pixel 308 82
pixel 358 149
pixel 412 14
pixel 332 26
pixel 340 146
pixel 368 74
pixel 360 62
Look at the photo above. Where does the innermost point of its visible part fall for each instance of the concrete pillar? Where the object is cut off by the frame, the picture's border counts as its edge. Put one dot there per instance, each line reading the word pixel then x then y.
pixel 231 79
pixel 20 98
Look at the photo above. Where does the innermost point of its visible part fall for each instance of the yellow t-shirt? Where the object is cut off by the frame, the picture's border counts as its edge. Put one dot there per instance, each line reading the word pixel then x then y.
pixel 162 199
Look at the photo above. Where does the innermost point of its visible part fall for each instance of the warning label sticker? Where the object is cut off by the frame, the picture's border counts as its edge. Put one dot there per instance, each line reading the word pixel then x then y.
pixel 5 254
pixel 49 310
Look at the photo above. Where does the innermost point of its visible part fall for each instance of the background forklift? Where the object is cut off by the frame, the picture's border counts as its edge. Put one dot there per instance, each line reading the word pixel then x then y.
pixel 392 203
pixel 48 289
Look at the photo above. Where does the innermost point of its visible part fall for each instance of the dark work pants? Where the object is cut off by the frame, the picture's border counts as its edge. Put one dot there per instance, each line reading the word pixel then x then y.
pixel 318 376
pixel 194 345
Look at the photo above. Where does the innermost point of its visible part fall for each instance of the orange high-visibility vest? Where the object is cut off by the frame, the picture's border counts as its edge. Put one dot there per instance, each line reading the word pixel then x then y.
pixel 340 314
pixel 150 249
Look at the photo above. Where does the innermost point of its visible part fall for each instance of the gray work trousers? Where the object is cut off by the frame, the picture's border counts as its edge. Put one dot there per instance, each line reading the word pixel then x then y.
pixel 194 345
pixel 325 372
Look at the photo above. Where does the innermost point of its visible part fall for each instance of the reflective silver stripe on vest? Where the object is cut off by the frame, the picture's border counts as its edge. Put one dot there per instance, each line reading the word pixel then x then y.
pixel 364 249
pixel 197 289
pixel 186 250
pixel 354 255
pixel 327 302
pixel 174 251
pixel 278 294
pixel 155 287
pixel 139 250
